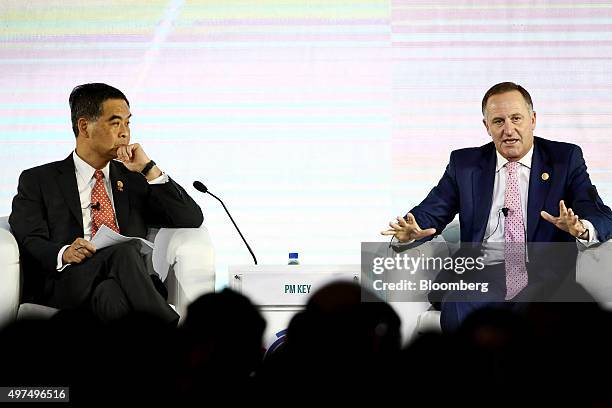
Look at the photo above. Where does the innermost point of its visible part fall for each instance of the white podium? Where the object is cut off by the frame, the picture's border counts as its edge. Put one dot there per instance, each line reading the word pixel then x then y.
pixel 279 291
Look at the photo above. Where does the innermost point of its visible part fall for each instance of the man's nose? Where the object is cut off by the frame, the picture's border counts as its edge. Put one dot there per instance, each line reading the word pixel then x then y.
pixel 124 131
pixel 508 128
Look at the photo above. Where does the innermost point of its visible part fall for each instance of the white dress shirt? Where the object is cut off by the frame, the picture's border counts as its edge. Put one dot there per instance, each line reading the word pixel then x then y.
pixel 85 184
pixel 496 223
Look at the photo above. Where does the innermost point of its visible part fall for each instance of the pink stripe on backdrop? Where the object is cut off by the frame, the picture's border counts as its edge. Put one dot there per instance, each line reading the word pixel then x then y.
pixel 404 103
pixel 98 53
pixel 36 112
pixel 289 22
pixel 281 112
pixel 507 3
pixel 36 95
pixel 590 87
pixel 502 28
pixel 374 54
pixel 277 37
pixel 478 135
pixel 485 44
pixel 206 99
pixel 505 57
pixel 206 130
pixel 332 77
pixel 498 14
pixel 279 96
pixel 421 120
pixel 281 70
pixel 76 38
pixel 68 142
pixel 29 75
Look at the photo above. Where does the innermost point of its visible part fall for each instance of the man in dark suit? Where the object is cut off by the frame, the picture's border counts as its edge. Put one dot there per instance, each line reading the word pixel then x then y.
pixel 526 179
pixel 106 180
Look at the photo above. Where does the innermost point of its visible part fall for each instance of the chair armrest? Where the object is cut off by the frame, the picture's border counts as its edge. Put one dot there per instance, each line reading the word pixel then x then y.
pixel 428 322
pixel 9 277
pixel 185 259
pixel 593 272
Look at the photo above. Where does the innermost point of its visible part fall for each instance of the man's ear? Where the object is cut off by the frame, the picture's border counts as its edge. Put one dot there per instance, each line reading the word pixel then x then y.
pixel 484 122
pixel 533 121
pixel 84 128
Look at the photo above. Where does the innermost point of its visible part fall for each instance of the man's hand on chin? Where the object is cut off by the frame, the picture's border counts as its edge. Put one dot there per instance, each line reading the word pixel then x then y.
pixel 567 221
pixel 135 159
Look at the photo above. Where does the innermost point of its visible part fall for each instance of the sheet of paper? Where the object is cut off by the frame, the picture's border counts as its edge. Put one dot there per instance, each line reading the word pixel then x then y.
pixel 106 237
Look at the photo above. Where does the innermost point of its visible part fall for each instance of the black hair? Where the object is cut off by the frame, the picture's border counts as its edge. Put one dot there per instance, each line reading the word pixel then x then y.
pixel 504 87
pixel 86 102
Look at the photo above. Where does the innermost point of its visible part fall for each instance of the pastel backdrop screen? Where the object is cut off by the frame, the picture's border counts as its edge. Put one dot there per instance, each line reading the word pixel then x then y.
pixel 317 122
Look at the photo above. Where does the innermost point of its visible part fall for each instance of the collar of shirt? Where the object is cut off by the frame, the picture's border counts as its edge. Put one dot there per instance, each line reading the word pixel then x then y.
pixel 525 160
pixel 85 183
pixel 85 171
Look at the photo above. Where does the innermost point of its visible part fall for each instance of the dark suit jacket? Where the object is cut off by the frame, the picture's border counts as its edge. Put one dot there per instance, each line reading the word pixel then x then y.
pixel 46 215
pixel 466 188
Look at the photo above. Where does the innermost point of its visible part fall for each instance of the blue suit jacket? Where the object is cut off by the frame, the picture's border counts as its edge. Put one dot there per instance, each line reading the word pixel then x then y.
pixel 467 188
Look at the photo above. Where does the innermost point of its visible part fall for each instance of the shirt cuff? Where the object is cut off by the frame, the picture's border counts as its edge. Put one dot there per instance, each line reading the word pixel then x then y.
pixel 60 265
pixel 398 243
pixel 592 234
pixel 160 180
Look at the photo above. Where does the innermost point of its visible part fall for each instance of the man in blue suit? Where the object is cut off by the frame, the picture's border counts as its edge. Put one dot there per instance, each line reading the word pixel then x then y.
pixel 525 178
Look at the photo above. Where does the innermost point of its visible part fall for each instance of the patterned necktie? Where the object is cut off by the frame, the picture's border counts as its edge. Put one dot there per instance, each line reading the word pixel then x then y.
pixel 514 235
pixel 103 214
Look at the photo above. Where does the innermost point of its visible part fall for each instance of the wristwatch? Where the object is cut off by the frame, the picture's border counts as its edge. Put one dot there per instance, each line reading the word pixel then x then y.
pixel 147 168
pixel 586 231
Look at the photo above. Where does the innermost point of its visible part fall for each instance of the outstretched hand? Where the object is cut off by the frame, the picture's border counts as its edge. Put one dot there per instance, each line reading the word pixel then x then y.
pixel 407 229
pixel 567 221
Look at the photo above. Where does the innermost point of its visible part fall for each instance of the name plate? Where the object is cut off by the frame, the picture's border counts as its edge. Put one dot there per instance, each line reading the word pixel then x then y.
pixel 280 288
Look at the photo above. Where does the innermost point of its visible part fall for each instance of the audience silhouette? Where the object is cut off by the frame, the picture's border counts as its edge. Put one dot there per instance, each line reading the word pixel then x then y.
pixel 345 344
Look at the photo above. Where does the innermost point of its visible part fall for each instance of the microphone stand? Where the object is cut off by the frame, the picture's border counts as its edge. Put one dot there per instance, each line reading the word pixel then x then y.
pixel 202 188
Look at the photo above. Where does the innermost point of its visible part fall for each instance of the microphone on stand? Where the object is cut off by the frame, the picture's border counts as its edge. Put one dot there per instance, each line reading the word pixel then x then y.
pixel 202 188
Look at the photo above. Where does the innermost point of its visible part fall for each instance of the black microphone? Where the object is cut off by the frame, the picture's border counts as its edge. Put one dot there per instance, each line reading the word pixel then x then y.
pixel 96 206
pixel 202 188
pixel 503 210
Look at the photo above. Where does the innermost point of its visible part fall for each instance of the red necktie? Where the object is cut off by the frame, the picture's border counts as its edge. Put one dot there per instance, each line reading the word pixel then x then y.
pixel 514 235
pixel 103 214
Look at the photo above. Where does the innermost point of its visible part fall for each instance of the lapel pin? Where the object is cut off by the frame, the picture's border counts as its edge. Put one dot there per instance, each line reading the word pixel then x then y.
pixel 545 176
pixel 120 185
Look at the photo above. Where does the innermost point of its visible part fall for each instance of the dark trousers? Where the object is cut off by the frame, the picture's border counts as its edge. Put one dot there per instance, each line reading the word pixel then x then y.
pixel 112 283
pixel 456 306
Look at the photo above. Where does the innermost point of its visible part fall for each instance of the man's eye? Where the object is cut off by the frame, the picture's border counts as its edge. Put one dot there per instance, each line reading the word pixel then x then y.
pixel 115 124
pixel 516 119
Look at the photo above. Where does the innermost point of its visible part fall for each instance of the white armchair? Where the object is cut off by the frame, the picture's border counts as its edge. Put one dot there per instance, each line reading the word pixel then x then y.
pixel 593 267
pixel 184 258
